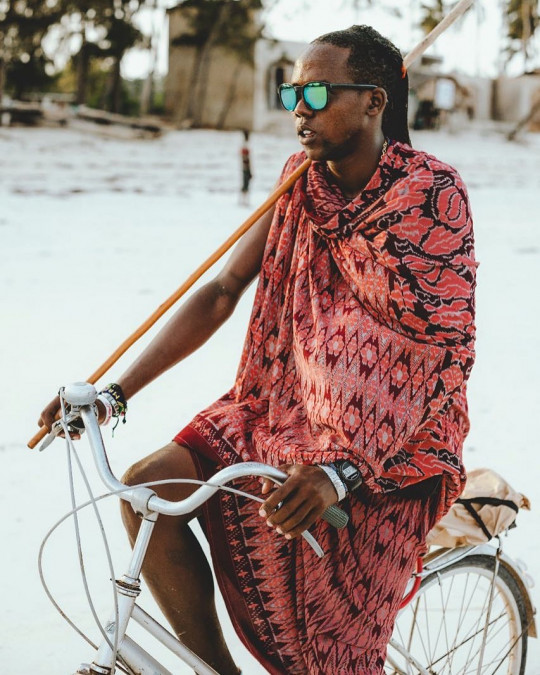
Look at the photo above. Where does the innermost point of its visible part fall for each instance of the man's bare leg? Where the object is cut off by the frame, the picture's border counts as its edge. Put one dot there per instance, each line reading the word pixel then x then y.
pixel 175 567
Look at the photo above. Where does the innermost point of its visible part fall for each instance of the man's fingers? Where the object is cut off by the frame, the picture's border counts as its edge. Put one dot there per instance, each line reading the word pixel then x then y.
pixel 46 422
pixel 306 522
pixel 48 415
pixel 296 505
pixel 279 495
pixel 287 511
pixel 267 486
pixel 291 523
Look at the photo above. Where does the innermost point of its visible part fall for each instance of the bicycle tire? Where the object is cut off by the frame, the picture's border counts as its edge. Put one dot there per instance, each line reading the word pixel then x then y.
pixel 443 626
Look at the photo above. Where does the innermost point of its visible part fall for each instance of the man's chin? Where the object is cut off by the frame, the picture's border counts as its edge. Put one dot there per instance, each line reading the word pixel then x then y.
pixel 325 152
pixel 316 154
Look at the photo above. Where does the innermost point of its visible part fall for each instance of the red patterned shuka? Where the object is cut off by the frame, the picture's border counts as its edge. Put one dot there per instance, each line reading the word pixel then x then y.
pixel 360 343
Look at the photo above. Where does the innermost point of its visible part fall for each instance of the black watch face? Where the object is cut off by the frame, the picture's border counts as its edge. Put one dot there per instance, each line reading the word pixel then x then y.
pixel 349 472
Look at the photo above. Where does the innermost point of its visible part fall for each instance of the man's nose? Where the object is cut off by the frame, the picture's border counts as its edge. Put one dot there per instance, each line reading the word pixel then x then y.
pixel 301 109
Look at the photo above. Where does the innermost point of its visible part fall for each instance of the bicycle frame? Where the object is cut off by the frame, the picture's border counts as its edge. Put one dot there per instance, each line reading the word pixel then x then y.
pixel 129 652
pixel 118 648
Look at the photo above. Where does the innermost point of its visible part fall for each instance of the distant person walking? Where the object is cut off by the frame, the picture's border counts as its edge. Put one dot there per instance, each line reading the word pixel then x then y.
pixel 246 169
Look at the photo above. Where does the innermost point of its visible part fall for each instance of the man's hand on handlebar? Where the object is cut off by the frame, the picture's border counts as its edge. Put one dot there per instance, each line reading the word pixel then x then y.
pixel 51 413
pixel 294 506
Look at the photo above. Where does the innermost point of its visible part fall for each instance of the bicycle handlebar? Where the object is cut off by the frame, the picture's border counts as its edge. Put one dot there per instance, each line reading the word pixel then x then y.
pixel 81 397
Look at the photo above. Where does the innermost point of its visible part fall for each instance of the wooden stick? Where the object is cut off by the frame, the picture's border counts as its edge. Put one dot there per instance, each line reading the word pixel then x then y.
pixel 430 38
pixel 160 311
pixel 458 10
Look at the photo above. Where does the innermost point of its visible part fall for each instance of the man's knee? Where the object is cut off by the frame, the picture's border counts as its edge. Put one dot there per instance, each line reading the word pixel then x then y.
pixel 172 463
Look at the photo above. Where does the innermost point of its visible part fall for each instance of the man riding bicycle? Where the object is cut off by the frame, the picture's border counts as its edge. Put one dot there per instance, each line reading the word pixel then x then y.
pixel 352 380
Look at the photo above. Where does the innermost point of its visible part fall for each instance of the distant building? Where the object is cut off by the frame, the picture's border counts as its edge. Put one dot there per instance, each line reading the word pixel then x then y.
pixel 242 94
pixel 440 99
pixel 514 98
pixel 220 94
pixel 239 94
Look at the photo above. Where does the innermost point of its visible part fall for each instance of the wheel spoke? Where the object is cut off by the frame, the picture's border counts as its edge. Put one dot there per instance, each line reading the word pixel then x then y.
pixel 447 630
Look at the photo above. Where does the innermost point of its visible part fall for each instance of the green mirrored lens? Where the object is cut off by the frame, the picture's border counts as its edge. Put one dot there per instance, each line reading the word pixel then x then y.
pixel 288 97
pixel 316 95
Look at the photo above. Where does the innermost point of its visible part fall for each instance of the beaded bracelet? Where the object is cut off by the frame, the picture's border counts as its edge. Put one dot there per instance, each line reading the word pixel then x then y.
pixel 114 395
pixel 338 484
pixel 108 408
pixel 115 408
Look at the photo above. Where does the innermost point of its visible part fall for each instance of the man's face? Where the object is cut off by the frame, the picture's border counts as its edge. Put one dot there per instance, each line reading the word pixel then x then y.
pixel 338 130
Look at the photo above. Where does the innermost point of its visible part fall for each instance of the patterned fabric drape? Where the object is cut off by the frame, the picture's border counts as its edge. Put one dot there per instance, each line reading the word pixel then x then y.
pixel 359 346
pixel 362 332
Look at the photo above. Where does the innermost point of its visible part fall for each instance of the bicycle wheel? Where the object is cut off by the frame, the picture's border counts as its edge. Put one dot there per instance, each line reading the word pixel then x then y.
pixel 447 627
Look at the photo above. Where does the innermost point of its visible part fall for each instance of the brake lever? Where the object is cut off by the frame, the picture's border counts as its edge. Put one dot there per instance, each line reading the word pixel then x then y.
pixel 69 420
pixel 49 438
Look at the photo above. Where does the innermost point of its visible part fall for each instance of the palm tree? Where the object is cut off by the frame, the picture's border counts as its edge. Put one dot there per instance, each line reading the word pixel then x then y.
pixel 102 29
pixel 227 24
pixel 434 11
pixel 521 21
pixel 23 25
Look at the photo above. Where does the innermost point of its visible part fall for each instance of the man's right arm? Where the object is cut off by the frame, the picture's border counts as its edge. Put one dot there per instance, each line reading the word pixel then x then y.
pixel 197 319
pixel 202 314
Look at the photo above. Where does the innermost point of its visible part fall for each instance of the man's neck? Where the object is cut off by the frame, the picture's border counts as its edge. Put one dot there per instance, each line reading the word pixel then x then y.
pixel 353 173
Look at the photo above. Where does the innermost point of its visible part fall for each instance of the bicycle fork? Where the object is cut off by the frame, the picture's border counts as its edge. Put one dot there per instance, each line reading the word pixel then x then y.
pixel 116 646
pixel 128 588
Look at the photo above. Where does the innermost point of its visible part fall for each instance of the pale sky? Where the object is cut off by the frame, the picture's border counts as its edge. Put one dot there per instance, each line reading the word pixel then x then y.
pixel 470 46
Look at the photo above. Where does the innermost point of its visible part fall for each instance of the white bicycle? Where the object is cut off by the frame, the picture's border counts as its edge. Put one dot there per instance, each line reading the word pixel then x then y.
pixel 467 610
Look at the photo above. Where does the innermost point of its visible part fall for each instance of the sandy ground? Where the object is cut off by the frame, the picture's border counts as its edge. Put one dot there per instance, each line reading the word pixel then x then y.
pixel 95 233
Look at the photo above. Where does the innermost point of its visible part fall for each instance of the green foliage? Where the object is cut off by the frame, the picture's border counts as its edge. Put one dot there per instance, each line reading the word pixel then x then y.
pixel 432 14
pixel 87 30
pixel 522 22
pixel 98 79
pixel 23 25
pixel 121 35
pixel 434 11
pixel 24 77
pixel 238 33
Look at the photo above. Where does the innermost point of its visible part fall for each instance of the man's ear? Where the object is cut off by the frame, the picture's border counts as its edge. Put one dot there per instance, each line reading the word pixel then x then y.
pixel 377 102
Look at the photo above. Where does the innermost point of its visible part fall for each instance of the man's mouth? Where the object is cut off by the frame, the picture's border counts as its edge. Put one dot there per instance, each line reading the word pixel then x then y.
pixel 306 135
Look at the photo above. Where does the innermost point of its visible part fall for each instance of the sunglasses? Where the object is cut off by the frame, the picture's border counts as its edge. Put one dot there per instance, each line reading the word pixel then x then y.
pixel 315 94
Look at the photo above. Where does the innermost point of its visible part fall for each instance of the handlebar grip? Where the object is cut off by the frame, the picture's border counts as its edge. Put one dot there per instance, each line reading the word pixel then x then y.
pixel 335 516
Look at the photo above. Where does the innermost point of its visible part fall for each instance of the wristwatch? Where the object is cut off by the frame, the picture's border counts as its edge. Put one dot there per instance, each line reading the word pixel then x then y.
pixel 348 473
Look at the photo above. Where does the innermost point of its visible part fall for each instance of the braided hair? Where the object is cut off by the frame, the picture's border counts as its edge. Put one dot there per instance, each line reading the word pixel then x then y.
pixel 373 59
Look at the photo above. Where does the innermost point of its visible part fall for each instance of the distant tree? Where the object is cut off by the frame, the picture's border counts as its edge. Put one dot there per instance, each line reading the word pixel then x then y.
pixel 121 36
pixel 100 30
pixel 23 63
pixel 217 23
pixel 522 20
pixel 151 43
pixel 434 11
pixel 391 6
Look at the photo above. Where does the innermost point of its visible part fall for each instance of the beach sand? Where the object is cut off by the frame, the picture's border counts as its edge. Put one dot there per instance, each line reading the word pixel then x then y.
pixel 96 233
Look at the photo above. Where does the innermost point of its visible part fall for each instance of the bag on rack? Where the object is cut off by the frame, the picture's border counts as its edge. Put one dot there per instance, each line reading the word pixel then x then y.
pixel 487 507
